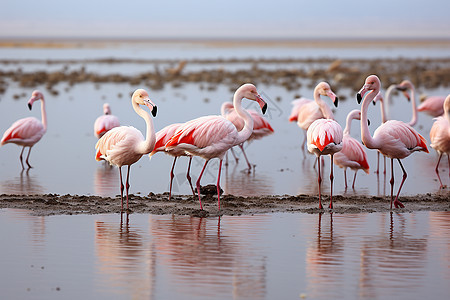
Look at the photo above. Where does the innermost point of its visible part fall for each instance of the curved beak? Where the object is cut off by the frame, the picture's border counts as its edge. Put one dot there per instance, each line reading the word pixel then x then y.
pixel 334 98
pixel 151 106
pixel 261 103
pixel 31 101
pixel 361 93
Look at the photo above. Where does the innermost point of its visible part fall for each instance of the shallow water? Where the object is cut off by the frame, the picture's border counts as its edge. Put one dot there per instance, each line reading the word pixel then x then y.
pixel 361 256
pixel 64 159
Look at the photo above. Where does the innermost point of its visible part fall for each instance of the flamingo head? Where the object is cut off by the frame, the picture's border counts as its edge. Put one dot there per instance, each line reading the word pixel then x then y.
pixel 324 89
pixel 372 83
pixel 249 91
pixel 378 97
pixel 106 109
pixel 140 96
pixel 404 86
pixel 35 96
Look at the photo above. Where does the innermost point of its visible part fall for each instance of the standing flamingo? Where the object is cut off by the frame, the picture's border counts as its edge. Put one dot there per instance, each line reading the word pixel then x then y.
pixel 324 136
pixel 261 127
pixel 27 131
pixel 212 136
pixel 432 106
pixel 308 110
pixel 105 122
pixel 440 136
pixel 352 154
pixel 125 145
pixel 394 139
pixel 162 137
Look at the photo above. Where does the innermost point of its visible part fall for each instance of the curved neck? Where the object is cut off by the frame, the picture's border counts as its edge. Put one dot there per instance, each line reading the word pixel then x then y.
pixel 387 98
pixel 43 114
pixel 324 108
pixel 348 125
pixel 414 108
pixel 148 144
pixel 246 132
pixel 367 139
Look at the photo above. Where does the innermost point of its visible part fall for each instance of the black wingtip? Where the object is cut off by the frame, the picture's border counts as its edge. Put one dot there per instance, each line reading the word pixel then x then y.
pixel 264 108
pixel 154 110
pixel 336 102
pixel 358 98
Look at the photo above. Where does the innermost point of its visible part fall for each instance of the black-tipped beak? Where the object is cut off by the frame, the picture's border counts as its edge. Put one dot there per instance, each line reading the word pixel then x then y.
pixel 264 108
pixel 336 102
pixel 368 122
pixel 358 98
pixel 29 106
pixel 154 110
pixel 374 103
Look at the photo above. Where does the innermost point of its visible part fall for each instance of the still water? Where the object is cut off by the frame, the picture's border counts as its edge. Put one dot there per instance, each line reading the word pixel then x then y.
pixel 268 256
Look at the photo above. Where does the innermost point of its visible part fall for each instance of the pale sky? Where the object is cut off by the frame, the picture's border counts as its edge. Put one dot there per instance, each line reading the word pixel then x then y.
pixel 230 18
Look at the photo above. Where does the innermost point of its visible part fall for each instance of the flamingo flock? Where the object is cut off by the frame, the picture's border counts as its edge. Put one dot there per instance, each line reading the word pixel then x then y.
pixel 210 137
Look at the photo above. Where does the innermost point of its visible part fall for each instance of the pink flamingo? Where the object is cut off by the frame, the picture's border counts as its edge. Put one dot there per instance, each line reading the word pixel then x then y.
pixel 27 131
pixel 261 127
pixel 125 145
pixel 394 139
pixel 212 136
pixel 162 137
pixel 306 111
pixel 440 135
pixel 105 122
pixel 324 136
pixel 432 106
pixel 352 154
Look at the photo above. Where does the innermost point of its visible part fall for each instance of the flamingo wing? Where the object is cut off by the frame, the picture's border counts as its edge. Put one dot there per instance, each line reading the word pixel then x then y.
pixel 163 136
pixel 352 155
pixel 105 123
pixel 433 106
pixel 297 105
pixel 117 145
pixel 24 131
pixel 440 135
pixel 324 132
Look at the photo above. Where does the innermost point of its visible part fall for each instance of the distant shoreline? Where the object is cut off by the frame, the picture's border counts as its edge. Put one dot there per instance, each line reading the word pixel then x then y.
pixel 60 42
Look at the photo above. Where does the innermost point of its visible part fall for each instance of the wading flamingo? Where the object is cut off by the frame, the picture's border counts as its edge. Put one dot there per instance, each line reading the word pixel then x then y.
pixel 105 122
pixel 440 136
pixel 432 106
pixel 125 145
pixel 27 131
pixel 352 154
pixel 162 137
pixel 306 111
pixel 394 139
pixel 212 136
pixel 261 126
pixel 324 136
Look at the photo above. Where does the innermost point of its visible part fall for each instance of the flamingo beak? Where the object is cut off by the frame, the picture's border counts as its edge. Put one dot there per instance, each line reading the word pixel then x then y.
pixel 261 103
pixel 334 98
pixel 361 93
pixel 31 101
pixel 151 106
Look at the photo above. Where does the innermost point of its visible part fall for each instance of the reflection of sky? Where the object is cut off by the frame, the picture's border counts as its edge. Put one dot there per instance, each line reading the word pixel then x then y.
pixel 202 18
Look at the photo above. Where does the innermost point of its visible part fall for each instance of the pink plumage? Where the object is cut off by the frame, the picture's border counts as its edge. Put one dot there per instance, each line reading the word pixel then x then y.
pixel 352 154
pixel 432 106
pixel 105 122
pixel 27 132
pixel 440 135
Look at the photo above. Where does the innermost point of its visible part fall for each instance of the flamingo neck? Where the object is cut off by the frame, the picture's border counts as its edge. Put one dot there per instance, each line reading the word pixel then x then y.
pixel 387 97
pixel 367 139
pixel 148 144
pixel 43 114
pixel 414 108
pixel 246 132
pixel 324 108
pixel 348 125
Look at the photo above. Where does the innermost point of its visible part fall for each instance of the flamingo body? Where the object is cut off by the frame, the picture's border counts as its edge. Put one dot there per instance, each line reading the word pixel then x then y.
pixel 105 122
pixel 432 106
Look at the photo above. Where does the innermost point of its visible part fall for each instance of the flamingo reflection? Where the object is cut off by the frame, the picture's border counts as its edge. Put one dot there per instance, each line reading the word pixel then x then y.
pixel 24 184
pixel 105 178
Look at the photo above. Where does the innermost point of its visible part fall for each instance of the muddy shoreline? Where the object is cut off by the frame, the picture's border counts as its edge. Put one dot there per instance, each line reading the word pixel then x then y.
pixel 53 204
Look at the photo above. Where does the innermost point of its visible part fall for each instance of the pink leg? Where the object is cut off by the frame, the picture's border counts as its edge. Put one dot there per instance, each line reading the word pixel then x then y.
pixel 437 171
pixel 218 183
pixel 171 176
pixel 121 189
pixel 304 143
pixel 384 158
pixel 448 158
pixel 198 184
pixel 128 184
pixel 397 203
pixel 319 180
pixel 378 163
pixel 234 155
pixel 354 179
pixel 345 177
pixel 392 181
pixel 28 156
pixel 331 179
pixel 20 157
pixel 245 156
pixel 188 176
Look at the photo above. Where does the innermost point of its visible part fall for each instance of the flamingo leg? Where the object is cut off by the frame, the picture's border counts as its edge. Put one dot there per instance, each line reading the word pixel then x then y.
pixel 128 183
pixel 20 157
pixel 384 158
pixel 437 171
pixel 121 189
pixel 354 179
pixel 198 184
pixel 171 176
pixel 392 181
pixel 245 156
pixel 29 150
pixel 188 176
pixel 319 180
pixel 397 203
pixel 218 183
pixel 345 177
pixel 378 163
pixel 331 179
pixel 234 155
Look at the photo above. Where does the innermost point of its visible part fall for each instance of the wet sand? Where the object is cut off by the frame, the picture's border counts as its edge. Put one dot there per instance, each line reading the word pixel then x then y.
pixel 53 204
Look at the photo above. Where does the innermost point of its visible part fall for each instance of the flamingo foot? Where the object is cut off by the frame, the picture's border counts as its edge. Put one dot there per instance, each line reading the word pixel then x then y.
pixel 320 206
pixel 398 204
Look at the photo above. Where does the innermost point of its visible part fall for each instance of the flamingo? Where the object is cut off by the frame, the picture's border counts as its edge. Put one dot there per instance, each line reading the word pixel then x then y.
pixel 432 106
pixel 352 154
pixel 125 145
pixel 27 131
pixel 261 127
pixel 212 136
pixel 324 136
pixel 162 137
pixel 394 139
pixel 105 122
pixel 440 136
pixel 306 111
pixel 404 86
